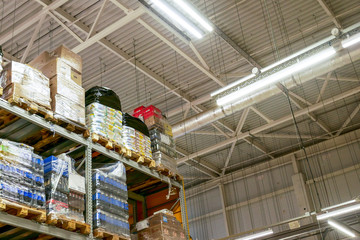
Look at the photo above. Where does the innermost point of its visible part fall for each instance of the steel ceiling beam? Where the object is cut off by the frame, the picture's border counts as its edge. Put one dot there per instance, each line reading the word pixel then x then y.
pixel 236 47
pixel 348 120
pixel 123 55
pixel 96 21
pixel 26 23
pixel 268 126
pixel 172 45
pixel 211 170
pixel 109 29
pixel 323 87
pixel 330 13
pixel 302 105
pixel 32 39
pixel 238 130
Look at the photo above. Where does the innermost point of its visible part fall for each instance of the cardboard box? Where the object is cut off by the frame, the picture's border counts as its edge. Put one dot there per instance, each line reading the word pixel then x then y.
pixel 154 121
pixel 67 88
pixel 41 60
pixel 40 96
pixel 69 57
pixel 58 67
pixel 68 109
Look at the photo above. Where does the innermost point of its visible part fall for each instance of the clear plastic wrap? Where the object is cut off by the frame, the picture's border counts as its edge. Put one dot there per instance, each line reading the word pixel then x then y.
pixel 22 81
pixel 76 194
pixel 105 121
pixel 56 176
pixel 110 195
pixel 161 226
pixel 21 174
pixel 137 141
pixel 66 108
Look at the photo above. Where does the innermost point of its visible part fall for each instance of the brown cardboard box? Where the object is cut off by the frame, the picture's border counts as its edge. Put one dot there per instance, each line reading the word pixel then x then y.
pixel 40 95
pixel 58 66
pixel 69 57
pixel 162 227
pixel 67 109
pixel 40 60
pixel 162 232
pixel 67 88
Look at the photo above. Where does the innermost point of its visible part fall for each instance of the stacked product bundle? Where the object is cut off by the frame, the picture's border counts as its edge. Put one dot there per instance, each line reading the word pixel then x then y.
pixel 160 132
pixel 136 136
pixel 64 188
pixel 63 68
pixel 160 226
pixel 21 174
pixel 103 114
pixel 56 175
pixel 111 211
pixel 76 194
pixel 21 82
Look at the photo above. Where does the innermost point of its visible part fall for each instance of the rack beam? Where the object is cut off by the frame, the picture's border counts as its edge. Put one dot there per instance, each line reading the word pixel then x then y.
pixel 40 228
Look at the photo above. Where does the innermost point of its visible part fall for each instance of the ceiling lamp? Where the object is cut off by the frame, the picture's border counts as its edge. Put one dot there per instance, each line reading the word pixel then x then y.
pixel 257 235
pixel 184 16
pixel 194 14
pixel 276 77
pixel 338 212
pixel 341 228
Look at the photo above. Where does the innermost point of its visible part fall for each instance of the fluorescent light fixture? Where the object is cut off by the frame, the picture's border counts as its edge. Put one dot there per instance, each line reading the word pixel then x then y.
pixel 341 228
pixel 232 85
pixel 339 205
pixel 351 41
pixel 338 212
pixel 178 18
pixel 257 235
pixel 276 77
pixel 196 16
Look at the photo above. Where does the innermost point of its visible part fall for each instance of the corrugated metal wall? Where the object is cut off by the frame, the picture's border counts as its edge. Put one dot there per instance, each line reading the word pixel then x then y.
pixel 268 197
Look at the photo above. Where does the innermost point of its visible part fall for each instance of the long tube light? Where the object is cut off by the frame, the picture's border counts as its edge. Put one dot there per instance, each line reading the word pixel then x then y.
pixel 351 41
pixel 257 235
pixel 341 228
pixel 196 16
pixel 338 212
pixel 178 18
pixel 276 77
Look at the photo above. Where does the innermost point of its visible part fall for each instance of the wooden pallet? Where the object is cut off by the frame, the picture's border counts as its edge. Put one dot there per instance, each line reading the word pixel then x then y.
pixel 23 211
pixel 167 172
pixel 122 150
pixel 71 126
pixel 139 158
pixel 68 224
pixel 103 141
pixel 102 234
pixel 32 107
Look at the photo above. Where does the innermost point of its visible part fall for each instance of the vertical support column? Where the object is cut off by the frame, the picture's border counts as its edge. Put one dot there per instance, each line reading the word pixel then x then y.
pixel 88 186
pixel 302 192
pixel 226 218
pixel 183 207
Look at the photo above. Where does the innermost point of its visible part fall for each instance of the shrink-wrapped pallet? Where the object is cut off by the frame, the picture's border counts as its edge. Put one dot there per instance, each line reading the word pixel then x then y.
pixel 21 175
pixel 20 81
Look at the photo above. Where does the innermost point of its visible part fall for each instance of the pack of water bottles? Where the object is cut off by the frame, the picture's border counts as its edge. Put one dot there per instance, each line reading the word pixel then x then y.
pixel 111 209
pixel 56 175
pixel 21 174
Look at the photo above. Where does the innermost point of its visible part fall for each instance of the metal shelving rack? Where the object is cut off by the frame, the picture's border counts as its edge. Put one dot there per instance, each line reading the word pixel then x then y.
pixel 89 147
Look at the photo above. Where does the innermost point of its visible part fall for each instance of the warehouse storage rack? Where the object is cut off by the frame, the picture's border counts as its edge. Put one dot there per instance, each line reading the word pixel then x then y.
pixel 37 123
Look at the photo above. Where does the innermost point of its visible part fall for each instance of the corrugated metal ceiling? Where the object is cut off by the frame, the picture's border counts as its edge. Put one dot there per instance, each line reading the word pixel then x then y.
pixel 266 30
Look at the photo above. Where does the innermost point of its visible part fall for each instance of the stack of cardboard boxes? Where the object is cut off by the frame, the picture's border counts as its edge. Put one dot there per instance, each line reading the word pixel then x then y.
pixel 162 142
pixel 160 226
pixel 64 68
